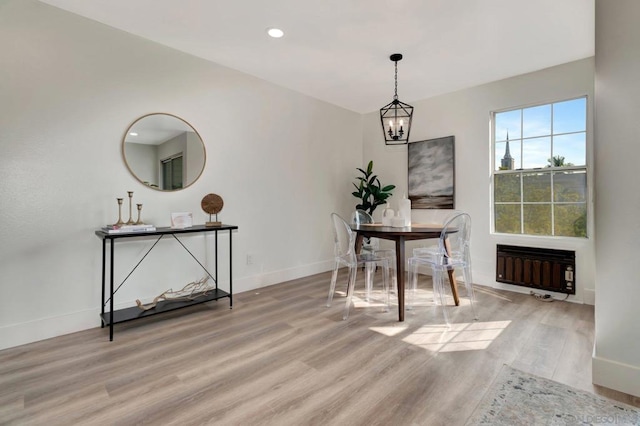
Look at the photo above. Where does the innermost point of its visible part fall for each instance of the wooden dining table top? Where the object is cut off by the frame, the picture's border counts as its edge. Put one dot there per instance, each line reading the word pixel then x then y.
pixel 417 231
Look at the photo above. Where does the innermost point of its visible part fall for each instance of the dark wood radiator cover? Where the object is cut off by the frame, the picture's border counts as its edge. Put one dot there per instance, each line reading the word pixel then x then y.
pixel 538 268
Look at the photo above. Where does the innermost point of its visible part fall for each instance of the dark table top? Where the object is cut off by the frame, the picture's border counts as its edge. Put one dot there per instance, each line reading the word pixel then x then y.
pixel 164 230
pixel 413 232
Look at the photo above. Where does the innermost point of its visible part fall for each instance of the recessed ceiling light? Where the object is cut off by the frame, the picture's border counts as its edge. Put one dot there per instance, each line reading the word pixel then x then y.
pixel 133 134
pixel 275 32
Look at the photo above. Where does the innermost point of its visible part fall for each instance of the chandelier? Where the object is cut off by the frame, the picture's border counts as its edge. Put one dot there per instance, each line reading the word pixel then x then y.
pixel 396 115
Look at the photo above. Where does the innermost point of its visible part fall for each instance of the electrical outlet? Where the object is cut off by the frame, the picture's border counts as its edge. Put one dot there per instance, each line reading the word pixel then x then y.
pixel 568 274
pixel 249 259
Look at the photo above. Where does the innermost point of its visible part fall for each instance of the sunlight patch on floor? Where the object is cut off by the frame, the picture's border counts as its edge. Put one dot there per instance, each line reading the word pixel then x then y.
pixel 358 300
pixel 471 336
pixel 389 331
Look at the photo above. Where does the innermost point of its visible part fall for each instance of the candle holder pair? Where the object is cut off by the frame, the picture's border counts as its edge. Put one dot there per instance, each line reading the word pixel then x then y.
pixel 120 222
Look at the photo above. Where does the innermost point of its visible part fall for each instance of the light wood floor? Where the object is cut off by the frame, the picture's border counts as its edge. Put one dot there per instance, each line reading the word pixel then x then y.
pixel 280 357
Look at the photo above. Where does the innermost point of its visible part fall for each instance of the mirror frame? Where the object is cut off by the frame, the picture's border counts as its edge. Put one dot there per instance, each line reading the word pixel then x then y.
pixel 124 157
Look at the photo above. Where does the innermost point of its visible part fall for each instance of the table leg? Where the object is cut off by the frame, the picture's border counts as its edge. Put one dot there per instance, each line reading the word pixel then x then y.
pixel 454 286
pixel 230 269
pixel 452 277
pixel 400 275
pixel 359 239
pixel 104 254
pixel 112 243
pixel 216 258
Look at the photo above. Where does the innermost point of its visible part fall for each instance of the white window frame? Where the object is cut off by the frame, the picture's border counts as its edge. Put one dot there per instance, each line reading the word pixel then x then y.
pixel 551 170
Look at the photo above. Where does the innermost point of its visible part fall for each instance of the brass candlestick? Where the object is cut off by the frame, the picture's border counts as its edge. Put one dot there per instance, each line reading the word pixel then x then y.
pixel 119 222
pixel 139 221
pixel 130 221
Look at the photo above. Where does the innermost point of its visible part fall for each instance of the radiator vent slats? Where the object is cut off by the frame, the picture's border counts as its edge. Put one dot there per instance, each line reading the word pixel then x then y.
pixel 539 268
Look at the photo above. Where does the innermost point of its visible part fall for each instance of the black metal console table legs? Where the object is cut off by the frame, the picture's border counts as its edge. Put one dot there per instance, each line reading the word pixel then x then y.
pixel 116 316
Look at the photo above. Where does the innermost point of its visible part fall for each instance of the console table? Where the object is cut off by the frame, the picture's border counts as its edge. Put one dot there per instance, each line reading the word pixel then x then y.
pixel 113 317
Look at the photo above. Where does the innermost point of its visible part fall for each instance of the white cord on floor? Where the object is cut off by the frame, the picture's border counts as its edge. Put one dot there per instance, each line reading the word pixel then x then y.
pixel 542 297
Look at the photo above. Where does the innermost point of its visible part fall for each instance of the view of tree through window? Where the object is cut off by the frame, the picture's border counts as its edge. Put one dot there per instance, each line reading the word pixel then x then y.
pixel 540 174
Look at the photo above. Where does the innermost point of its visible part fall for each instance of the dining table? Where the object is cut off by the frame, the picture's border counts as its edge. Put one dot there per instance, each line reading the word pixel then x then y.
pixel 400 235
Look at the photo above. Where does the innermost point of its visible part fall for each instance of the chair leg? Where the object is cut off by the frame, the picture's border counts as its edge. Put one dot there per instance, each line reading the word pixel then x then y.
pixel 413 280
pixel 438 293
pixel 466 272
pixel 385 283
pixel 350 290
pixel 332 286
pixel 393 273
pixel 438 286
pixel 370 270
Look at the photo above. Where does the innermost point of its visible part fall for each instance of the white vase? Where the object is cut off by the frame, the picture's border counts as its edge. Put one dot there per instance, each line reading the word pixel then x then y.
pixel 405 210
pixel 387 216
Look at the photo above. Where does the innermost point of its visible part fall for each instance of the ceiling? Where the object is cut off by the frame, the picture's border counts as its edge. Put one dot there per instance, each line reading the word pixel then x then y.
pixel 155 129
pixel 338 50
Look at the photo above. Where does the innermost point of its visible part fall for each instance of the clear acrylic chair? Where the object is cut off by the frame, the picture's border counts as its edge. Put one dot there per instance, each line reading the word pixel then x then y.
pixel 433 217
pixel 452 253
pixel 372 245
pixel 429 249
pixel 345 255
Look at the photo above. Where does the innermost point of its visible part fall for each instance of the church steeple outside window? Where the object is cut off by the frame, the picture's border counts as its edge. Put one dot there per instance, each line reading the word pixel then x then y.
pixel 507 162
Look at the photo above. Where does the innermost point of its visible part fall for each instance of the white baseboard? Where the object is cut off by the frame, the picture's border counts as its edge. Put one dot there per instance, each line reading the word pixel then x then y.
pixel 45 328
pixel 32 331
pixel 586 296
pixel 526 290
pixel 283 275
pixel 589 296
pixel 617 376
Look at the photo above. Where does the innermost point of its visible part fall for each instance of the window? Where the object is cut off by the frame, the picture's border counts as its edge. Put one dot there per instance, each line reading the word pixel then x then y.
pixel 540 172
pixel 172 173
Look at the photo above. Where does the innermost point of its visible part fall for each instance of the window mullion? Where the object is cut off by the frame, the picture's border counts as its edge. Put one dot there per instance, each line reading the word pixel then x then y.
pixel 521 203
pixel 553 209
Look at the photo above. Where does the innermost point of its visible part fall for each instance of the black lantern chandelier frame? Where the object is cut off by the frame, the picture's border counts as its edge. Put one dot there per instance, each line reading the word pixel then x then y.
pixel 396 115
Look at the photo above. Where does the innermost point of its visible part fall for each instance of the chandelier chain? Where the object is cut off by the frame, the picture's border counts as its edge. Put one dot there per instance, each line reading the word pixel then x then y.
pixel 395 96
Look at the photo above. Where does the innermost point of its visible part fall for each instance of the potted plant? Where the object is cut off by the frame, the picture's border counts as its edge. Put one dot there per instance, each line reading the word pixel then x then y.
pixel 370 191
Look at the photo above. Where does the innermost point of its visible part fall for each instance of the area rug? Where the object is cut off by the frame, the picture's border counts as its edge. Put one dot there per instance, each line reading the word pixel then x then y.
pixel 519 398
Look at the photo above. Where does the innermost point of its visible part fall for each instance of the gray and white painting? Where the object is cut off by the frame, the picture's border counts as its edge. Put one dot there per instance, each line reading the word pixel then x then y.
pixel 431 173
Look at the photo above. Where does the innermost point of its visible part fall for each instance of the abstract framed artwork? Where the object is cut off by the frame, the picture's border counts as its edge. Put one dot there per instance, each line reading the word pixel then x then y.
pixel 432 173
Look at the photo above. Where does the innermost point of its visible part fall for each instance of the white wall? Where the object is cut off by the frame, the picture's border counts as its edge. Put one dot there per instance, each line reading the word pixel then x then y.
pixel 69 89
pixel 616 361
pixel 466 114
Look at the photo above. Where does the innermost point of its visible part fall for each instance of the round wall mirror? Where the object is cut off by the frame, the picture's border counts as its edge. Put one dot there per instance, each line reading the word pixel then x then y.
pixel 163 152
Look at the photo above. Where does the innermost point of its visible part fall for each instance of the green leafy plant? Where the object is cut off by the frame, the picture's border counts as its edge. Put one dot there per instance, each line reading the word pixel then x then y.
pixel 558 161
pixel 370 191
